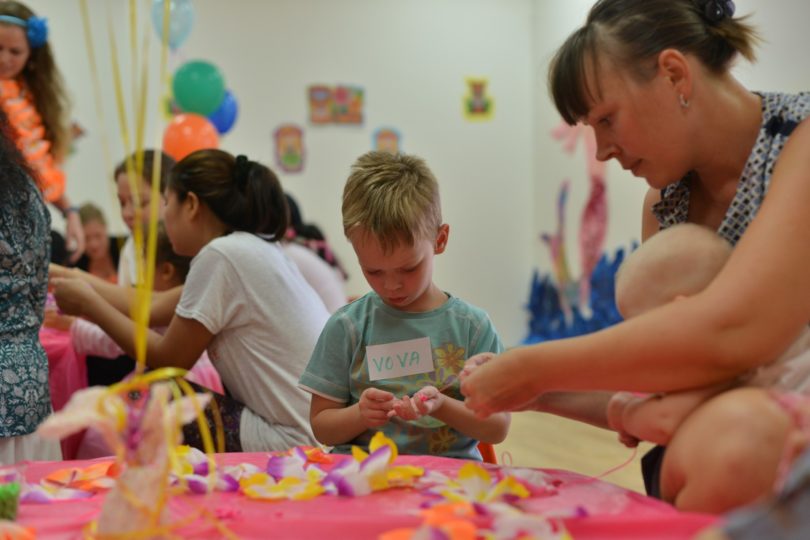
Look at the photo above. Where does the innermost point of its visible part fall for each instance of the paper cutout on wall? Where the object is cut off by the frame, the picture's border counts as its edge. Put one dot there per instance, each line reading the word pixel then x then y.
pixel 559 259
pixel 386 140
pixel 593 223
pixel 341 104
pixel 562 306
pixel 477 104
pixel 320 104
pixel 289 148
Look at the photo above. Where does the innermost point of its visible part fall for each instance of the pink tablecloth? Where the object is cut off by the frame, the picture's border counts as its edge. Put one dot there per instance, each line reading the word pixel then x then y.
pixel 613 513
pixel 67 373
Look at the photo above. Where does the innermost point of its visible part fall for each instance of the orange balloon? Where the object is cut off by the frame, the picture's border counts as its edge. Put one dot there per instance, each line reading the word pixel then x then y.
pixel 187 133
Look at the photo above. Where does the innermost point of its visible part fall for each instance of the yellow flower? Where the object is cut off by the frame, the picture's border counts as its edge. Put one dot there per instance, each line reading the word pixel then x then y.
pixel 440 440
pixel 450 357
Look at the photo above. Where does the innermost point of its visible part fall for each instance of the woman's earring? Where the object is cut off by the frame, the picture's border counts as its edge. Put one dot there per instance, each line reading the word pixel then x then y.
pixel 684 102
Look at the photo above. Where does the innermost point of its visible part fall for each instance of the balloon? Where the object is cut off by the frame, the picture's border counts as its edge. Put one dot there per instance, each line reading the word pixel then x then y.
pixel 187 133
pixel 198 87
pixel 181 19
pixel 224 117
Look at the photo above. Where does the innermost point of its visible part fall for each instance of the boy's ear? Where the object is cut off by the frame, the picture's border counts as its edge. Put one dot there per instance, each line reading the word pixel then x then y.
pixel 441 238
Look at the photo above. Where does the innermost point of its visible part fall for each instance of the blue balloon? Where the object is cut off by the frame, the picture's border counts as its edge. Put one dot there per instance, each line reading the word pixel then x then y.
pixel 225 116
pixel 181 19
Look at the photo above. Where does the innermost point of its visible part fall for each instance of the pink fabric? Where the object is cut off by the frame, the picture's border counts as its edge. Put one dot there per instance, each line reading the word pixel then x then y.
pixel 612 512
pixel 205 374
pixel 67 372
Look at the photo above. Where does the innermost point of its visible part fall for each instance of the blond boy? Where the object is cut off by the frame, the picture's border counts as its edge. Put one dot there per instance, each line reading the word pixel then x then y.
pixel 390 361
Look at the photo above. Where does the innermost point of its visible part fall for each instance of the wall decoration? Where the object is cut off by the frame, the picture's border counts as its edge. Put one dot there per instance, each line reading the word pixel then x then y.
pixel 289 148
pixel 320 104
pixel 561 306
pixel 347 105
pixel 386 140
pixel 477 104
pixel 342 104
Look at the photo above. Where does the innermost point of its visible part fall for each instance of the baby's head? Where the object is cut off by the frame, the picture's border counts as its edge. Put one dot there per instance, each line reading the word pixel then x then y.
pixel 679 261
pixel 393 198
pixel 126 198
pixel 171 269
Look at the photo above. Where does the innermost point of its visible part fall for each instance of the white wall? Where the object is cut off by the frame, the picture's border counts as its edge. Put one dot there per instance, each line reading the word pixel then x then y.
pixel 499 179
pixel 412 58
pixel 782 66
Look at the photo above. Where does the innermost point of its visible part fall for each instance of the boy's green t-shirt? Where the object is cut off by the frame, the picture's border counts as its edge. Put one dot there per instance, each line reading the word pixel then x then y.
pixel 342 367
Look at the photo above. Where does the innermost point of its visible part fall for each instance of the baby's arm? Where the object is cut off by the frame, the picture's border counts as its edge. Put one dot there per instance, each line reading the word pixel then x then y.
pixel 335 423
pixel 655 418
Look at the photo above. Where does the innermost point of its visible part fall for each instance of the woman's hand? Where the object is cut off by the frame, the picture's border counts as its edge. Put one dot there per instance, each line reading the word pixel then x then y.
pixel 504 384
pixel 74 296
pixel 423 403
pixel 473 362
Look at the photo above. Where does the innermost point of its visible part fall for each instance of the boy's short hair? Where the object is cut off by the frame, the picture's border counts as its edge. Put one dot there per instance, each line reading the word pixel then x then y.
pixel 681 260
pixel 393 197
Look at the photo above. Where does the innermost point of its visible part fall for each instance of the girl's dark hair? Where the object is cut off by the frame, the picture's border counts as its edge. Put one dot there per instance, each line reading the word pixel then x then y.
pixel 308 231
pixel 631 33
pixel 149 157
pixel 243 194
pixel 46 86
pixel 309 235
pixel 165 253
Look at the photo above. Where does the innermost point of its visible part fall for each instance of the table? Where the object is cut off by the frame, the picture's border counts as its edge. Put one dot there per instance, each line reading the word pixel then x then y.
pixel 613 512
pixel 67 373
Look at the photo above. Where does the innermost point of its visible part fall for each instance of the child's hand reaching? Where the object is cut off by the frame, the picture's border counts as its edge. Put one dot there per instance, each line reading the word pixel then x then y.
pixel 473 362
pixel 73 295
pixel 375 406
pixel 423 403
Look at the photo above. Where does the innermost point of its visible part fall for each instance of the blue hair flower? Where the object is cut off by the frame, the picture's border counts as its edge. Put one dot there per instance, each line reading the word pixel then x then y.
pixel 36 29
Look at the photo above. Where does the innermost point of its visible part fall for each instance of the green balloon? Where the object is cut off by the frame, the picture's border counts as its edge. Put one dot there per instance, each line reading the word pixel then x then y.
pixel 198 87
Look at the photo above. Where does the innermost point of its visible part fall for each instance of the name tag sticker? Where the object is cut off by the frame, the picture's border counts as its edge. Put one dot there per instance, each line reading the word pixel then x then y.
pixel 398 359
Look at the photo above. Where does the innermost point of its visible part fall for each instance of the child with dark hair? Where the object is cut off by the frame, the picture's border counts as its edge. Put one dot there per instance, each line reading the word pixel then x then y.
pixel 310 235
pixel 243 300
pixel 307 247
pixel 127 201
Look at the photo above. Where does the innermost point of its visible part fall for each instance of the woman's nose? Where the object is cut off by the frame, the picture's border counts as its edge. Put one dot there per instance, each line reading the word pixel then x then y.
pixel 605 149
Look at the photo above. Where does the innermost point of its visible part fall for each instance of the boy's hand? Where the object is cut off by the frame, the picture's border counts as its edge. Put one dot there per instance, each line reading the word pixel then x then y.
pixel 73 295
pixel 423 403
pixel 374 406
pixel 473 362
pixel 615 417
